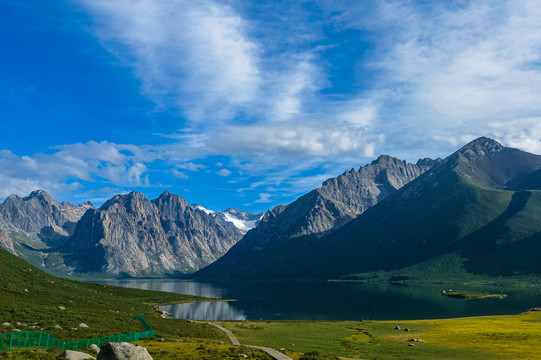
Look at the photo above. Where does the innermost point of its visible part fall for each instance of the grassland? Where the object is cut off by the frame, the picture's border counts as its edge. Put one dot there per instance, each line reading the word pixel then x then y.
pixel 490 337
pixel 471 295
pixel 30 296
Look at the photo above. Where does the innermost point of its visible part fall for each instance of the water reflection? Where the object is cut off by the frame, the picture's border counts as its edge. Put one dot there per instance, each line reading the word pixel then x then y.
pixel 209 310
pixel 331 301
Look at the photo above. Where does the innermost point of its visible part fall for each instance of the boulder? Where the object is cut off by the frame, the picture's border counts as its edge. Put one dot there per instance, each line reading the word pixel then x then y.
pixel 397 327
pixel 123 351
pixel 94 348
pixel 76 355
pixel 83 325
pixel 57 326
pixel 6 324
pixel 61 308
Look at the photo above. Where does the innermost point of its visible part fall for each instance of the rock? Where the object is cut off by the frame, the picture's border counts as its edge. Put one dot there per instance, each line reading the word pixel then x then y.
pixel 83 325
pixel 123 351
pixel 94 348
pixel 33 327
pixel 411 344
pixel 535 308
pixel 162 340
pixel 397 327
pixel 243 356
pixel 26 290
pixel 6 324
pixel 61 308
pixel 116 238
pixel 40 217
pixel 15 330
pixel 57 326
pixel 76 355
pixel 407 329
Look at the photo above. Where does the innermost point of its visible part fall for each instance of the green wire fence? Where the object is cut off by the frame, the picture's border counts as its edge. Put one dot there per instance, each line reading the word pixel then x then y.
pixel 22 339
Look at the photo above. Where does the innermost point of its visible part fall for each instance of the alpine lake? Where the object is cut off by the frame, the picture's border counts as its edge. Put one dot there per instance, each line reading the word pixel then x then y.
pixel 291 300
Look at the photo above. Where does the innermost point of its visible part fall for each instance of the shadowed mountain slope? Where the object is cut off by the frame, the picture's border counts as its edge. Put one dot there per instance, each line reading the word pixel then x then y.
pixel 480 205
pixel 338 201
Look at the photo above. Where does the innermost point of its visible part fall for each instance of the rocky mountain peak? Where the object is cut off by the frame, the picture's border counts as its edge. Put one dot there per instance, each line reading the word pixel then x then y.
pixel 127 201
pixel 386 159
pixel 428 162
pixel 479 148
pixel 41 195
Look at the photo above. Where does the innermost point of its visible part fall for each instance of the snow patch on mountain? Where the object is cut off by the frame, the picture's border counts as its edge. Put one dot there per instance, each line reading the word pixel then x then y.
pixel 241 220
pixel 200 208
pixel 241 224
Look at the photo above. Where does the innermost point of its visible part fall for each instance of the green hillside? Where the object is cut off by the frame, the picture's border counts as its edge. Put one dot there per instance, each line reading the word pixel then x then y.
pixel 30 296
pixel 477 213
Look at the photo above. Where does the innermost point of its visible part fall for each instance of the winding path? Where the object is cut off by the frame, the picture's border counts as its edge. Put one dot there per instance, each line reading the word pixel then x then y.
pixel 235 342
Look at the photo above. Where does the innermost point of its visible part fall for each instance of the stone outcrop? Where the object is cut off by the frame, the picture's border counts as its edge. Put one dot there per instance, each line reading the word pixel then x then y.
pixel 76 355
pixel 123 351
pixel 6 242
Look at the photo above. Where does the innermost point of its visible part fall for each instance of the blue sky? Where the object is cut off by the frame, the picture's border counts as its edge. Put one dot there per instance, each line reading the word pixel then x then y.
pixel 250 104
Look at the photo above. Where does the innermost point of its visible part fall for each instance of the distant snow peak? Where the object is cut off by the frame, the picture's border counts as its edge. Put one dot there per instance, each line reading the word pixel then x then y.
pixel 200 208
pixel 241 220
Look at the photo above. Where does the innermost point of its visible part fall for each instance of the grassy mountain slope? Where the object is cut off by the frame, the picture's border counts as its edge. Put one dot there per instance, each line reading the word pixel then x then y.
pixel 478 212
pixel 29 295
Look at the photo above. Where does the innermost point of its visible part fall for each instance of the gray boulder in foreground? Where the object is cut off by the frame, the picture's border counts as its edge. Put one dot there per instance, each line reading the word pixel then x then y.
pixel 76 355
pixel 123 351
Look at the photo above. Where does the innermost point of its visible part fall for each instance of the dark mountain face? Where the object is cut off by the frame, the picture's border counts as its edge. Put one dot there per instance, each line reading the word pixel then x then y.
pixel 132 235
pixel 337 202
pixel 479 205
pixel 487 163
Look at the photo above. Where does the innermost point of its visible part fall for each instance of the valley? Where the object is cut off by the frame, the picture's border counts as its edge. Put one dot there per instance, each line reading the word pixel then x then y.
pixel 376 245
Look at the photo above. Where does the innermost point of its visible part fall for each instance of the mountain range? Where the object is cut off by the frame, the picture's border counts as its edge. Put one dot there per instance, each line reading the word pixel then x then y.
pixel 128 235
pixel 478 211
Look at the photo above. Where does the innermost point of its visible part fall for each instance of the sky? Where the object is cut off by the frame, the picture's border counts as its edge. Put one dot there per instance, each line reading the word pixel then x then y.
pixel 250 104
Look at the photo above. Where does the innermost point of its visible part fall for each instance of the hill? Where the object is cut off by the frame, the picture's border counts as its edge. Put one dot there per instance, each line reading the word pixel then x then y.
pixel 478 212
pixel 338 201
pixel 31 296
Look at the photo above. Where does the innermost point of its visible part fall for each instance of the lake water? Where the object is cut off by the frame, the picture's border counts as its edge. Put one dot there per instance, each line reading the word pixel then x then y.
pixel 330 300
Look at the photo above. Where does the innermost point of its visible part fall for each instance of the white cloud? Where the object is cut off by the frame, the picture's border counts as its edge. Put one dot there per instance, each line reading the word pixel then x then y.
pixel 223 172
pixel 264 198
pixel 300 138
pixel 458 71
pixel 102 162
pixel 191 166
pixel 196 52
pixel 179 174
